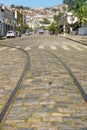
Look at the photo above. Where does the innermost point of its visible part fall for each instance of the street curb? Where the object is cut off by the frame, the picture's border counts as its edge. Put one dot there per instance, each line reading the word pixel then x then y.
pixel 73 40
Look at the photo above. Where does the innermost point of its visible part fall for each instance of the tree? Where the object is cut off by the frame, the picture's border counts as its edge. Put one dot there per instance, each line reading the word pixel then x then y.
pixel 57 17
pixel 25 27
pixel 12 6
pixel 72 3
pixel 45 21
pixel 80 11
pixel 30 29
pixel 54 10
pixel 52 27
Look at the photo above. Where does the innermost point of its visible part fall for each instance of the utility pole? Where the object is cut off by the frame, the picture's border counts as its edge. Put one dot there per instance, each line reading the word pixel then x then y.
pixel 64 26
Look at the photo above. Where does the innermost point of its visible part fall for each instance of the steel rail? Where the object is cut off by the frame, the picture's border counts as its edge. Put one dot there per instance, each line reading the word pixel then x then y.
pixel 74 40
pixel 27 66
pixel 72 75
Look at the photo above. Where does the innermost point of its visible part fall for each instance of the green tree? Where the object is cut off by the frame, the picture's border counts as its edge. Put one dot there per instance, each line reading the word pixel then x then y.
pixel 52 27
pixel 30 29
pixel 72 3
pixel 58 17
pixel 45 21
pixel 25 27
pixel 54 10
pixel 80 11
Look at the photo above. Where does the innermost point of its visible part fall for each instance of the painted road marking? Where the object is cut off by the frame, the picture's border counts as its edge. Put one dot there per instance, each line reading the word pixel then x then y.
pixel 3 48
pixel 27 48
pixel 13 49
pixel 65 47
pixel 17 46
pixel 53 47
pixel 41 47
pixel 77 48
pixel 84 46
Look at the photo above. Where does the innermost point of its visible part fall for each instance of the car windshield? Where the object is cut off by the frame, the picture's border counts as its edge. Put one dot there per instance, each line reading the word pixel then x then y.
pixel 9 32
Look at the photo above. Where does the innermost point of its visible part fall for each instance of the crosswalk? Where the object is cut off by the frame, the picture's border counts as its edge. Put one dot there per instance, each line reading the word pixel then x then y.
pixel 41 47
pixel 13 49
pixel 27 48
pixel 77 48
pixel 52 47
pixel 3 48
pixel 66 48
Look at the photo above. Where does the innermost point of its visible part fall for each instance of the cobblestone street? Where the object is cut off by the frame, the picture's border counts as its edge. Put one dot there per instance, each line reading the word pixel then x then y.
pixel 9 62
pixel 48 98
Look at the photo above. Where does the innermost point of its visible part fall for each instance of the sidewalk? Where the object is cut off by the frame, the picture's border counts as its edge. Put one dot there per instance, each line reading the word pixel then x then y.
pixel 77 38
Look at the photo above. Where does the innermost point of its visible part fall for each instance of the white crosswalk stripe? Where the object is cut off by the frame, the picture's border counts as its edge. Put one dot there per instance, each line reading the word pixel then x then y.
pixel 65 47
pixel 84 46
pixel 3 48
pixel 41 47
pixel 27 48
pixel 13 49
pixel 77 48
pixel 53 47
pixel 17 46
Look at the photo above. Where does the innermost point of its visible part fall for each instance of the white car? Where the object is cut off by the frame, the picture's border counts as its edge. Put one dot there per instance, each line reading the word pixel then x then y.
pixel 10 34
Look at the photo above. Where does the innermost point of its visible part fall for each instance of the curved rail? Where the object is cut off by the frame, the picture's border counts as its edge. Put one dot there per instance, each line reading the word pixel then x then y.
pixel 27 66
pixel 72 75
pixel 75 41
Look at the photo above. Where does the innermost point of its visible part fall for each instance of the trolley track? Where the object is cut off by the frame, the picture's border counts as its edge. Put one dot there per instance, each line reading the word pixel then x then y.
pixel 76 82
pixel 44 73
pixel 73 77
pixel 11 98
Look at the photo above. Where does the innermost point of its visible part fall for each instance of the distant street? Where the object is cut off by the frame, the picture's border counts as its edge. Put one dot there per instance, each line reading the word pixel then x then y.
pixel 48 98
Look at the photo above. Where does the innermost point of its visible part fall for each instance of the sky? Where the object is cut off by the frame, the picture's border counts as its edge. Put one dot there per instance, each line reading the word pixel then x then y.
pixel 32 3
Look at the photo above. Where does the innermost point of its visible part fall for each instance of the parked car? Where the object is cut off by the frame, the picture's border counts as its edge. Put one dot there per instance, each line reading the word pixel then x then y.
pixel 51 32
pixel 27 33
pixel 30 33
pixel 10 34
pixel 41 31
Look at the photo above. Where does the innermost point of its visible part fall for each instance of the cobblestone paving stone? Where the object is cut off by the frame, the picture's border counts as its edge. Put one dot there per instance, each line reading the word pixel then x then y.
pixel 48 99
pixel 78 65
pixel 9 61
pixel 79 69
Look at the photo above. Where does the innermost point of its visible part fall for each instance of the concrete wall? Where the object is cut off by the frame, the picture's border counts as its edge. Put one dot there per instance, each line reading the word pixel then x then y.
pixel 81 31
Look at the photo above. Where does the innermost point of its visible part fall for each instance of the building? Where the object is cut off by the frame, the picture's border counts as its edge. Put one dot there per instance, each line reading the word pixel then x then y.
pixel 20 20
pixel 6 20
